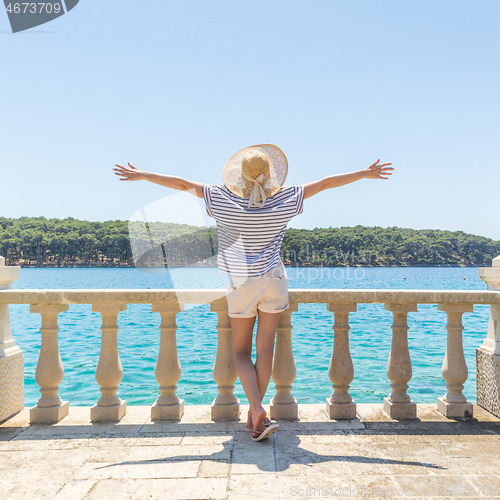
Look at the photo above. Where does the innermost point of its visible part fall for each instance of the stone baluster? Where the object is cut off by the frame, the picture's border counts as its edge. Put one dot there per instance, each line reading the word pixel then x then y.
pixel 49 369
pixel 168 368
pixel 109 372
pixel 226 405
pixel 283 404
pixel 454 369
pixel 341 371
pixel 488 353
pixel 399 404
pixel 11 356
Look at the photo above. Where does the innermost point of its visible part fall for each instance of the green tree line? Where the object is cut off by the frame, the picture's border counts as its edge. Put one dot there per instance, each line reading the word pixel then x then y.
pixel 37 241
pixel 389 246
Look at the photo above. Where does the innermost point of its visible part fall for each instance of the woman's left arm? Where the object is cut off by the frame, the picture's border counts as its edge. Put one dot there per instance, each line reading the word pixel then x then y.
pixel 374 171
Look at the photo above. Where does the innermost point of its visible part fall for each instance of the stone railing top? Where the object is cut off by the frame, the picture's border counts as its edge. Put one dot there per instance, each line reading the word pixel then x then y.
pixel 496 262
pixel 203 296
pixel 2 261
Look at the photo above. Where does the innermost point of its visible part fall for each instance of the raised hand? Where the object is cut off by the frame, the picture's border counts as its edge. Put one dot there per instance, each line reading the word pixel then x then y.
pixel 375 171
pixel 129 174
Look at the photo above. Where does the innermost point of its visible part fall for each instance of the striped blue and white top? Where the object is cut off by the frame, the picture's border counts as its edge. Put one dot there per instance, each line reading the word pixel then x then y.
pixel 250 238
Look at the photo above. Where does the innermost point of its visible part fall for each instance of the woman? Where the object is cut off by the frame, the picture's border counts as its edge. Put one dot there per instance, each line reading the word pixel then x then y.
pixel 252 208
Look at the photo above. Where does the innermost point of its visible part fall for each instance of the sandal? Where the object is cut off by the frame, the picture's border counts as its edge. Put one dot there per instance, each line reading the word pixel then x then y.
pixel 268 431
pixel 267 423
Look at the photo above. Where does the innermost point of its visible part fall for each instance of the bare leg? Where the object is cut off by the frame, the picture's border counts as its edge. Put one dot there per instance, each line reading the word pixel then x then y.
pixel 264 343
pixel 242 329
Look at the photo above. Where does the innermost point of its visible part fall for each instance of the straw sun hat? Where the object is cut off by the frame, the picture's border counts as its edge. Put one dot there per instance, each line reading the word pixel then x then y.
pixel 256 172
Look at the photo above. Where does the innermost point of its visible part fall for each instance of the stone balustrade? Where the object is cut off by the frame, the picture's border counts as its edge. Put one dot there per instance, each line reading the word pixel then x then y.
pixel 339 405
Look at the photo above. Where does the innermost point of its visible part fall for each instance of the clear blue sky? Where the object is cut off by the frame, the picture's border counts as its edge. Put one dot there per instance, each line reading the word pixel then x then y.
pixel 178 87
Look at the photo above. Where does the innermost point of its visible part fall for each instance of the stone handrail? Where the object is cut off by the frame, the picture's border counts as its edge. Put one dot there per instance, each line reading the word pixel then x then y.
pixel 205 296
pixel 398 404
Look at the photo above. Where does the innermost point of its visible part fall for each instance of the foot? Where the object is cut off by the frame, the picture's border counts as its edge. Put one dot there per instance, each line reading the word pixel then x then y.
pixel 249 426
pixel 258 417
pixel 268 431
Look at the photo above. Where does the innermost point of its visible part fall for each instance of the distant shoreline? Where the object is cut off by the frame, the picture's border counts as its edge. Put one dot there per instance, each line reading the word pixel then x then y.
pixel 71 243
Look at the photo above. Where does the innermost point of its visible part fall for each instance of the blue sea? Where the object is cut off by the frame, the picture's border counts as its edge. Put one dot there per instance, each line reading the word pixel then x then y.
pixel 312 334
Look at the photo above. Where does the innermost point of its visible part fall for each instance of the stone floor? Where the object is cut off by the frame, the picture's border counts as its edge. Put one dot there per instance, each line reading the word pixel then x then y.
pixel 314 457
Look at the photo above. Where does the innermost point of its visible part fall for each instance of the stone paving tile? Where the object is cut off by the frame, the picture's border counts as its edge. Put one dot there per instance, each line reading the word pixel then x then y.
pixel 243 440
pixel 254 463
pixel 119 454
pixel 461 465
pixel 410 450
pixel 214 468
pixel 407 439
pixel 303 461
pixel 161 489
pixel 75 489
pixel 297 469
pixel 314 485
pixel 491 427
pixel 449 485
pixel 418 458
pixel 247 486
pixel 325 426
pixel 469 449
pixel 467 438
pixel 21 419
pixel 410 426
pixel 351 459
pixel 68 441
pixel 374 438
pixel 189 428
pixel 481 414
pixel 143 440
pixel 7 434
pixel 129 470
pixel 20 486
pixel 43 460
pixel 250 457
pixel 21 444
pixel 292 440
pixel 487 485
pixel 54 431
pixel 334 439
pixel 205 438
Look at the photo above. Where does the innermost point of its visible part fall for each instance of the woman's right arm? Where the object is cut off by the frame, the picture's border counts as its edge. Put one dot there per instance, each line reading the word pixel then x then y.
pixel 171 181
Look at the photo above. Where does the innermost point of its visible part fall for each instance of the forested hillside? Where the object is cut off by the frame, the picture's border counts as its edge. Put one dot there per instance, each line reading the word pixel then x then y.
pixel 37 241
pixel 391 246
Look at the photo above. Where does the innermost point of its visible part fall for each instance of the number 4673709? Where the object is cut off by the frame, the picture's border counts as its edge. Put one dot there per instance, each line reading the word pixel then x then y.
pixel 33 7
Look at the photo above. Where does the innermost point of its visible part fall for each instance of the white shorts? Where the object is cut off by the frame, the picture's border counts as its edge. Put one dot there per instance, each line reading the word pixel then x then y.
pixel 267 293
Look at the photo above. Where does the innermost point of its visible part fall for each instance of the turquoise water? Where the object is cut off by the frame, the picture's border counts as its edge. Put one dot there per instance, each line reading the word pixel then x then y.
pixel 312 335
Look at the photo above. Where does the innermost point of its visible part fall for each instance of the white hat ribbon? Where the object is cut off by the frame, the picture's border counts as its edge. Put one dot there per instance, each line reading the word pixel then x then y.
pixel 258 195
